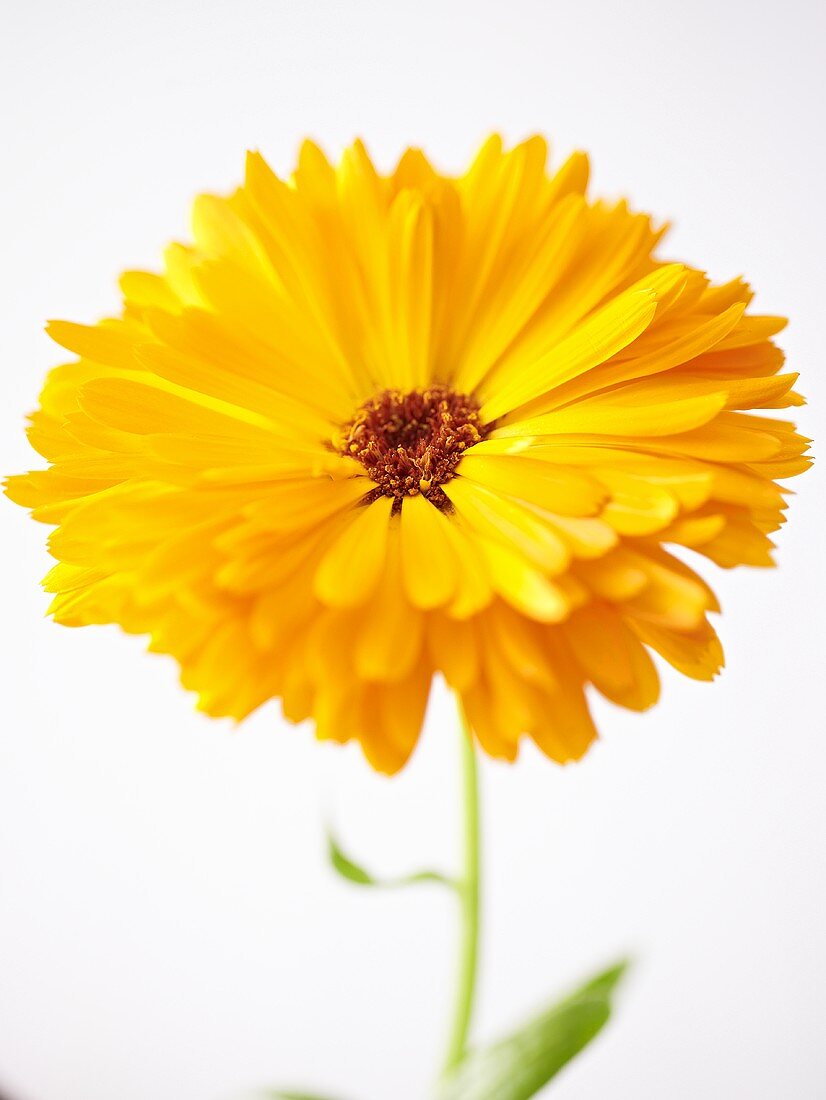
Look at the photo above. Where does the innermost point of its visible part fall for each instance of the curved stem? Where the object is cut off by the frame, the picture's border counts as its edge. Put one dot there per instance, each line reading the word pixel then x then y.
pixel 468 890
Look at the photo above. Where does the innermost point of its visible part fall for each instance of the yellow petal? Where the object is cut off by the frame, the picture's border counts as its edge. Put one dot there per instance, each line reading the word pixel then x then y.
pixel 220 232
pixel 697 654
pixel 501 518
pixel 595 340
pixel 390 636
pixel 599 417
pixel 112 343
pixel 550 487
pixel 612 657
pixel 411 288
pixel 522 585
pixel 351 568
pixel 453 648
pixel 429 566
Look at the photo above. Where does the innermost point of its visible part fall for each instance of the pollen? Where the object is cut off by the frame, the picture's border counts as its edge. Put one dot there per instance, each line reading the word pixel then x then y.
pixel 411 443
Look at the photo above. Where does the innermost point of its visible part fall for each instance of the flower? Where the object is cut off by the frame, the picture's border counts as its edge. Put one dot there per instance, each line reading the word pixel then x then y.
pixel 367 429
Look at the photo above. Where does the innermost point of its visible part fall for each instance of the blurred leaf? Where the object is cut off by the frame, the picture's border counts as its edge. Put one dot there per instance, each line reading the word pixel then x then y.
pixel 269 1095
pixel 520 1065
pixel 354 872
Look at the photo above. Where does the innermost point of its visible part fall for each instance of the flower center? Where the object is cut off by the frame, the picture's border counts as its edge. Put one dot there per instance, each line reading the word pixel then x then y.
pixel 411 443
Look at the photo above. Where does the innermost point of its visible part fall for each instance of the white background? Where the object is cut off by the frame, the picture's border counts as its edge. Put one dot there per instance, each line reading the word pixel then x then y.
pixel 168 928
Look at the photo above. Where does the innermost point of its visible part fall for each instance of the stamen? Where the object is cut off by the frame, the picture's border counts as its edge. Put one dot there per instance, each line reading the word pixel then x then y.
pixel 411 443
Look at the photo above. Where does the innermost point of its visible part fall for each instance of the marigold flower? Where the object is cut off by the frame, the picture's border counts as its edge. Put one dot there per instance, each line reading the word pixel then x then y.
pixel 366 429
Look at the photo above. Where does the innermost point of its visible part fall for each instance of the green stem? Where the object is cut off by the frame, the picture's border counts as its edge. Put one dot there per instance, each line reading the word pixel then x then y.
pixel 468 890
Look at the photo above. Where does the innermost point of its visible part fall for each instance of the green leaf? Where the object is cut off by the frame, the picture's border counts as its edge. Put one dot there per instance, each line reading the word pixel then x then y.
pixel 269 1095
pixel 520 1065
pixel 354 872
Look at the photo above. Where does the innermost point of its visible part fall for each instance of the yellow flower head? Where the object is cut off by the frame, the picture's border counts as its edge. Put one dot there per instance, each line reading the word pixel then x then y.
pixel 366 429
